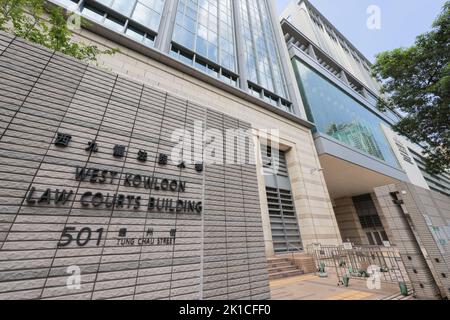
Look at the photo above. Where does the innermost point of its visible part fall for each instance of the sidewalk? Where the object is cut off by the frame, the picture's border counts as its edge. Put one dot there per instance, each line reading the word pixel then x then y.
pixel 311 287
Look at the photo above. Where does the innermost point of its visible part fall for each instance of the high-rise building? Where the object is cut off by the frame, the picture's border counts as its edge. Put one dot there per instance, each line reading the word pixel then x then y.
pixel 212 141
pixel 232 41
pixel 93 180
pixel 376 179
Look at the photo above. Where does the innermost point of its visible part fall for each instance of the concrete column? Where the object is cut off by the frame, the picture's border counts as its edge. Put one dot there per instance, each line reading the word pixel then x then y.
pixel 166 26
pixel 348 221
pixel 240 52
pixel 405 219
pixel 267 230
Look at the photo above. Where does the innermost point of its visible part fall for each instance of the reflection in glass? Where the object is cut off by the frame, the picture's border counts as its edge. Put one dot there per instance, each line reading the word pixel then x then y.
pixel 124 6
pixel 206 27
pixel 356 135
pixel 338 115
pixel 145 12
pixel 262 57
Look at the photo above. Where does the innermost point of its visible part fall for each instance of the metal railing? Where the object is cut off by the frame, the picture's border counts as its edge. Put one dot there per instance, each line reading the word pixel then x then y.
pixel 298 249
pixel 356 261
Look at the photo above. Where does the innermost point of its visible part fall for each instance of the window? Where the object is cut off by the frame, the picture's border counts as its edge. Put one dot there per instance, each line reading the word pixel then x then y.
pixel 145 12
pixel 124 6
pixel 202 64
pixel 93 13
pixel 270 98
pixel 142 17
pixel 186 58
pixel 114 23
pixel 261 54
pixel 369 219
pixel 340 116
pixel 286 106
pixel 439 183
pixel 135 34
pixel 255 92
pixel 146 16
pixel 206 28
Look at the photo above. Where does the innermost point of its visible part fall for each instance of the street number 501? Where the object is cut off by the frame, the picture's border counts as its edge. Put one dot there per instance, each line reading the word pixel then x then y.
pixel 83 237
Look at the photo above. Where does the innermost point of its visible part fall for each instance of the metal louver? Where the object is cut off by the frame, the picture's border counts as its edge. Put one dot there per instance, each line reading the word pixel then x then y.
pixel 283 219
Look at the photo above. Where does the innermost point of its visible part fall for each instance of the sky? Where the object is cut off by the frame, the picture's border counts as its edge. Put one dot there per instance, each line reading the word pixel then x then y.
pixel 401 21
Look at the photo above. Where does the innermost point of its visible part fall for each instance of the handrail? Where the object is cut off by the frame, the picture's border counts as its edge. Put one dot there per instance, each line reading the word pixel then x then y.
pixel 296 248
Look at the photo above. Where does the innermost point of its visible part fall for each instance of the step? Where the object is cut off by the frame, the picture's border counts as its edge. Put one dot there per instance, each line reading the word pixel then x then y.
pixel 282 269
pixel 282 266
pixel 279 264
pixel 278 260
pixel 286 274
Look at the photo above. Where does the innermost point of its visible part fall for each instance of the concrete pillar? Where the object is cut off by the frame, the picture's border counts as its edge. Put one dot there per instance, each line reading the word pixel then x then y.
pixel 240 51
pixel 166 26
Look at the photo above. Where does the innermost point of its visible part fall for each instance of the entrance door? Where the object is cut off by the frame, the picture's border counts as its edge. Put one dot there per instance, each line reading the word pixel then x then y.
pixel 370 220
pixel 283 218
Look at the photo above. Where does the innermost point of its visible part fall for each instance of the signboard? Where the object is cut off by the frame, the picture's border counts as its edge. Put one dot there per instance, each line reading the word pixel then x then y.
pixel 109 200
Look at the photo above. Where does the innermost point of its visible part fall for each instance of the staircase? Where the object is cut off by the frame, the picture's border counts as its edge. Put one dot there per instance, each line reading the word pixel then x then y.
pixel 282 267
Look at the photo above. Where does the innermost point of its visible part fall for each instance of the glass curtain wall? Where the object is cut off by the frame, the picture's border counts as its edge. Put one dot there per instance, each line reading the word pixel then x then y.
pixel 137 19
pixel 262 57
pixel 338 115
pixel 145 12
pixel 206 29
pixel 204 37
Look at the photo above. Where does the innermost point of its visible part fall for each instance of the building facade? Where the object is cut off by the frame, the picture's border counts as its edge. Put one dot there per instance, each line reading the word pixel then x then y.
pixel 370 171
pixel 176 167
pixel 93 204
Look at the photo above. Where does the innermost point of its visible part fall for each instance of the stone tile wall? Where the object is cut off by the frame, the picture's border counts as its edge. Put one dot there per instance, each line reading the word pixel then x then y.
pixel 216 254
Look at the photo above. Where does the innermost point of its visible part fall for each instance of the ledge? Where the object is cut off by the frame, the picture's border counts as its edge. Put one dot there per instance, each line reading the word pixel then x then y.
pixel 330 146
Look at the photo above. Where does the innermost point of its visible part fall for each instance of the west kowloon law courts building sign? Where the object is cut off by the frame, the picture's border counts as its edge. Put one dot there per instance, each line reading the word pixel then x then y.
pixel 89 188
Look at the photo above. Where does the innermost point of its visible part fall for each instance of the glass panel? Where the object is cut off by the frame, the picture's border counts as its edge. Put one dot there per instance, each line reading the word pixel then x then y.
pixel 184 37
pixel 146 12
pixel 186 58
pixel 124 6
pixel 146 16
pixel 149 41
pixel 92 13
pixel 135 34
pixel 262 57
pixel 174 53
pixel 206 27
pixel 114 24
pixel 340 116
